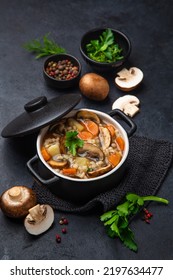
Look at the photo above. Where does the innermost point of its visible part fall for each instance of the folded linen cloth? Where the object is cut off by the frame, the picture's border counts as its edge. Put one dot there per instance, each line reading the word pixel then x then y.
pixel 147 166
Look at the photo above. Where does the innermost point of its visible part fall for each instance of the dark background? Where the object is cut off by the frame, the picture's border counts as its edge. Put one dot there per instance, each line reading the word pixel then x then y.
pixel 149 27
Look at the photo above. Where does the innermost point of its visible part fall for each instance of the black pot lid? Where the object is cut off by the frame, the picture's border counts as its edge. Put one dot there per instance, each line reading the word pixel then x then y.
pixel 40 112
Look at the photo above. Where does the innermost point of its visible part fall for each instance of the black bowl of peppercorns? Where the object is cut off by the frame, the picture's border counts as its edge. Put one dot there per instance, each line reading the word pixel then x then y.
pixel 62 71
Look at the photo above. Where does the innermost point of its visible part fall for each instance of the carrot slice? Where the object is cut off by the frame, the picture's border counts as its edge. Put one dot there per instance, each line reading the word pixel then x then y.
pixel 114 159
pixel 120 142
pixel 111 129
pixel 69 171
pixel 85 135
pixel 45 154
pixel 92 127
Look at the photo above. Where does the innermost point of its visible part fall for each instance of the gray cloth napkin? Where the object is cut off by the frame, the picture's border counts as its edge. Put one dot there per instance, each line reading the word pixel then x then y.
pixel 147 166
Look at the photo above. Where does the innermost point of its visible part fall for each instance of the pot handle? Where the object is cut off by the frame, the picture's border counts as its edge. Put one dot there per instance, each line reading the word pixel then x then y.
pixel 125 118
pixel 30 166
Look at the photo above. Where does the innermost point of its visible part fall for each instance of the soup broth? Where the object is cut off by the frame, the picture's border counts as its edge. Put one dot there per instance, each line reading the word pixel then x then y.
pixel 83 146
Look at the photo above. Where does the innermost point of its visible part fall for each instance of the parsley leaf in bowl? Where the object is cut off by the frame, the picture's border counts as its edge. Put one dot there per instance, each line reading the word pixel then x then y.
pixel 105 48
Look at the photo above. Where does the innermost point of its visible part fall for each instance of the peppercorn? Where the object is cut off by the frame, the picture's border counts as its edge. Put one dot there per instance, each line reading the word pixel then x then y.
pixel 146 211
pixel 64 230
pixel 147 216
pixel 65 222
pixel 58 238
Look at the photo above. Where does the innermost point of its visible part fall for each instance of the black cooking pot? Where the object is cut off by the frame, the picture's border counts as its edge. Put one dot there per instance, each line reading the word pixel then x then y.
pixel 81 190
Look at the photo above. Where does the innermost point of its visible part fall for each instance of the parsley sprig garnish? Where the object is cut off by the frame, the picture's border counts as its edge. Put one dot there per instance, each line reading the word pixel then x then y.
pixel 72 142
pixel 105 49
pixel 43 47
pixel 117 221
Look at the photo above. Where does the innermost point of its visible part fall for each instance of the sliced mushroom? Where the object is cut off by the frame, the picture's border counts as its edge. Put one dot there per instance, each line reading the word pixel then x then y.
pixel 16 201
pixel 39 219
pixel 128 104
pixel 58 127
pixel 100 171
pixel 105 137
pixel 88 115
pixel 128 80
pixel 91 151
pixel 58 164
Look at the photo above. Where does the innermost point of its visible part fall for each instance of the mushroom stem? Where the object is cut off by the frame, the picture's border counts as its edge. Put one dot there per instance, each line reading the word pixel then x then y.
pixel 37 213
pixel 15 193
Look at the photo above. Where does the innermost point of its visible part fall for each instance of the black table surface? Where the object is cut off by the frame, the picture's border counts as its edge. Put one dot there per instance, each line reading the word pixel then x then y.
pixel 149 27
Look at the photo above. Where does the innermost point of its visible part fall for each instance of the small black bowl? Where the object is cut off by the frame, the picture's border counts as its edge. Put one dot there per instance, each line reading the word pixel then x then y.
pixel 120 38
pixel 67 83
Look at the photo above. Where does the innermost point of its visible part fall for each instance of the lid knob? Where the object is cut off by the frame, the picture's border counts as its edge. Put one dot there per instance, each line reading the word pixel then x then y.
pixel 35 104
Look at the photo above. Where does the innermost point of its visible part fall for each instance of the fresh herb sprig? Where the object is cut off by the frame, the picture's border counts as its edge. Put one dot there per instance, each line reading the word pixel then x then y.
pixel 105 49
pixel 43 47
pixel 117 221
pixel 72 142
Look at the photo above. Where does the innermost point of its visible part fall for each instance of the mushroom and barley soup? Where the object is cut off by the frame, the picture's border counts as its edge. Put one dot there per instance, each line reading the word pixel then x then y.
pixel 83 146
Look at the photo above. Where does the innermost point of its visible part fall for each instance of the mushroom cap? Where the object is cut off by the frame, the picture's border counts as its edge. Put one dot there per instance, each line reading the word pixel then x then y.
pixel 82 114
pixel 100 171
pixel 38 226
pixel 58 164
pixel 94 86
pixel 16 201
pixel 128 80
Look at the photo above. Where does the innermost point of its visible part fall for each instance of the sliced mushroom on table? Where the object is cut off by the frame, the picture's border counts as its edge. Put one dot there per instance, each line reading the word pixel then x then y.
pixel 129 104
pixel 128 80
pixel 39 219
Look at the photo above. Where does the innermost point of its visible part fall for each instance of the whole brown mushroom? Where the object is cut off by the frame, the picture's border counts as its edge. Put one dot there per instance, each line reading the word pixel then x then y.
pixel 94 86
pixel 16 201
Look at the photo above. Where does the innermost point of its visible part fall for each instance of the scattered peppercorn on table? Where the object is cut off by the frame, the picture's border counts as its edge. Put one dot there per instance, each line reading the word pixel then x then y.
pixel 74 236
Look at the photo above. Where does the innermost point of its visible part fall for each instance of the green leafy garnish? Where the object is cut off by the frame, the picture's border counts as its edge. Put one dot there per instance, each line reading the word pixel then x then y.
pixel 117 221
pixel 105 49
pixel 43 47
pixel 72 142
